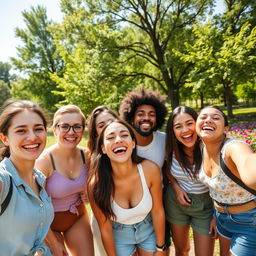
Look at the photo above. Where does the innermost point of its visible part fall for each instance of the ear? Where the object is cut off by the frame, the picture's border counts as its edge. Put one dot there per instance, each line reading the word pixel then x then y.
pixel 103 149
pixel 54 130
pixel 226 128
pixel 133 144
pixel 4 139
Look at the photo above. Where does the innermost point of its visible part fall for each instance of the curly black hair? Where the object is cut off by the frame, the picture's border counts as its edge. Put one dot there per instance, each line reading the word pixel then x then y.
pixel 136 98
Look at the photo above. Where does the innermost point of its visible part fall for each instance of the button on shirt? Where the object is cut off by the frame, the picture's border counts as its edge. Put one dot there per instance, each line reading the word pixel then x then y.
pixel 26 220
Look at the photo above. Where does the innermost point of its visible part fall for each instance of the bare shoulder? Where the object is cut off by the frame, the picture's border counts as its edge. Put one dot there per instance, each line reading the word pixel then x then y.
pixel 238 148
pixel 86 154
pixel 151 170
pixel 43 163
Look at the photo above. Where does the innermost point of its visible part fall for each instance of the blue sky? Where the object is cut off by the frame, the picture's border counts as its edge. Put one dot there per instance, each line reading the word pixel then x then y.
pixel 11 17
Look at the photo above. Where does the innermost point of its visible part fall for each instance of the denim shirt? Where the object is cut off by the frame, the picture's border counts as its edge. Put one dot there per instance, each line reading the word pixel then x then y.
pixel 26 220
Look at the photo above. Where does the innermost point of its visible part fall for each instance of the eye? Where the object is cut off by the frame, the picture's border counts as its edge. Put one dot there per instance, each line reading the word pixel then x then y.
pixel 20 131
pixel 40 129
pixel 177 127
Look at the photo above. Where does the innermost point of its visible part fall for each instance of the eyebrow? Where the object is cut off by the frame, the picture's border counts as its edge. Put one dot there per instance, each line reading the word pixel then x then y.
pixel 189 120
pixel 24 125
pixel 122 131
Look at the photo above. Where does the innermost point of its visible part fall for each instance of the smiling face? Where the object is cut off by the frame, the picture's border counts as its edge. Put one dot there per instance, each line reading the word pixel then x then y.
pixel 117 142
pixel 144 121
pixel 26 136
pixel 71 138
pixel 184 128
pixel 101 121
pixel 210 124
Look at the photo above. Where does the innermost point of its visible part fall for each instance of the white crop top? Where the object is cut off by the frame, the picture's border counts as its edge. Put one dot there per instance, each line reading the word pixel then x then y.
pixel 140 211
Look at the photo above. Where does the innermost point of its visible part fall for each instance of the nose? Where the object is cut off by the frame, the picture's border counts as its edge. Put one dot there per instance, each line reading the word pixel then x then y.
pixel 118 139
pixel 184 129
pixel 32 135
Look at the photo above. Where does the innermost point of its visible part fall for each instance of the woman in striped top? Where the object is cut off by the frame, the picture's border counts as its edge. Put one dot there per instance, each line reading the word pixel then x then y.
pixel 187 200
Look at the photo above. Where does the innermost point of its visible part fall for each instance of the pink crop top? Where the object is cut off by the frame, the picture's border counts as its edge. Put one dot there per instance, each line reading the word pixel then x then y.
pixel 66 193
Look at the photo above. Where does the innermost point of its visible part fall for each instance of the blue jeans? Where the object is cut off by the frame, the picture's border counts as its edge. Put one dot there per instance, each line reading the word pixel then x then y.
pixel 240 229
pixel 130 237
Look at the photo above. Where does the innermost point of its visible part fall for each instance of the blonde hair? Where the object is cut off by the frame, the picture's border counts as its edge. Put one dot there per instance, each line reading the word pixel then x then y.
pixel 67 109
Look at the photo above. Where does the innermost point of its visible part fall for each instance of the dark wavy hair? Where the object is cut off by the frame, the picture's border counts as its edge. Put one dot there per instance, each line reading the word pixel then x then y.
pixel 139 97
pixel 8 111
pixel 176 148
pixel 92 133
pixel 100 180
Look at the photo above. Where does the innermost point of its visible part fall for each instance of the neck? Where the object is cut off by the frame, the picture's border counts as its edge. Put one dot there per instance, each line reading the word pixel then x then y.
pixel 66 153
pixel 23 167
pixel 122 170
pixel 213 148
pixel 143 140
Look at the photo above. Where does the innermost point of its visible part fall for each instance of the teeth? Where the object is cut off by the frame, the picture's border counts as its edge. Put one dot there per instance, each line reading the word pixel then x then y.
pixel 70 139
pixel 208 128
pixel 119 149
pixel 187 136
pixel 145 125
pixel 31 146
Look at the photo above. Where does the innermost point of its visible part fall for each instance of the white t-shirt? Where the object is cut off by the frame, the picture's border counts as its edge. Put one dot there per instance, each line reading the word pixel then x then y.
pixel 155 151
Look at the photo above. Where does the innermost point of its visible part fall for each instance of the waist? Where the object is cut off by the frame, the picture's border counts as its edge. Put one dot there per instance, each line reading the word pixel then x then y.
pixel 147 219
pixel 65 203
pixel 235 208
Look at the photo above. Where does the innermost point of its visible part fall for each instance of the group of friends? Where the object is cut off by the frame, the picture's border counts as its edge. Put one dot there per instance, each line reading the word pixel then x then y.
pixel 145 187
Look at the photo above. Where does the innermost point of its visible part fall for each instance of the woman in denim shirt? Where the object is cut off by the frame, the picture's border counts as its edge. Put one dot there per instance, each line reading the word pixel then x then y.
pixel 26 220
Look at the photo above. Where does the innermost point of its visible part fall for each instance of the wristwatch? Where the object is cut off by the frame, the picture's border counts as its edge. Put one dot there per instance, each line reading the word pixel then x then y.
pixel 161 248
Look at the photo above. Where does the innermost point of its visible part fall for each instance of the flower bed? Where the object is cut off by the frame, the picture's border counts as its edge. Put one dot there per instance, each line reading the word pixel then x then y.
pixel 246 131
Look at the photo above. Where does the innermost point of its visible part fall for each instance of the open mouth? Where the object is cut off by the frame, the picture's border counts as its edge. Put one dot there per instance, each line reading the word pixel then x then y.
pixel 32 146
pixel 70 139
pixel 207 128
pixel 120 150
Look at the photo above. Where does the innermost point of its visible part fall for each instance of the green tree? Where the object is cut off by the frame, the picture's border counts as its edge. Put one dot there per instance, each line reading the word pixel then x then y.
pixel 222 58
pixel 125 43
pixel 5 92
pixel 5 74
pixel 38 57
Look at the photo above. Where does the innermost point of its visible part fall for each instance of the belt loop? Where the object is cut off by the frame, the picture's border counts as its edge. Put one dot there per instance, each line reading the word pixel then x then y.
pixel 225 208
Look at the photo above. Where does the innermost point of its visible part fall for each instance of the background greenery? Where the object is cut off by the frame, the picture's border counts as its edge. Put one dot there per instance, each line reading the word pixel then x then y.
pixel 102 49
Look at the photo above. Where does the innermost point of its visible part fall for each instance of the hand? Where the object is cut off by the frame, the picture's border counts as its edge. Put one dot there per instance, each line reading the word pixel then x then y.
pixel 213 229
pixel 181 195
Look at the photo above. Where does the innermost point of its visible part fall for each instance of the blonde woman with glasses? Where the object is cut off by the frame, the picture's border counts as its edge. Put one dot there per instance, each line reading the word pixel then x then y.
pixel 65 166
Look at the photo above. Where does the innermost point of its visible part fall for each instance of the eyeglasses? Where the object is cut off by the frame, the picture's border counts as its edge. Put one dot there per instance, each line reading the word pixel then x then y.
pixel 66 127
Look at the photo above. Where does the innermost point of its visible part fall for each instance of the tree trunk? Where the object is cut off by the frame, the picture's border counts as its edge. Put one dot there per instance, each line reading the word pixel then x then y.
pixel 228 96
pixel 202 100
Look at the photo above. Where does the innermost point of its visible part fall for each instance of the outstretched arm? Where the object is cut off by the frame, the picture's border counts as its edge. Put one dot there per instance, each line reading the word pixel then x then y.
pixel 242 162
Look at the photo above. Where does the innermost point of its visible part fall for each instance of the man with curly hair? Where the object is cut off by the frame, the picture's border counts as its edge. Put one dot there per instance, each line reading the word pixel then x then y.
pixel 145 110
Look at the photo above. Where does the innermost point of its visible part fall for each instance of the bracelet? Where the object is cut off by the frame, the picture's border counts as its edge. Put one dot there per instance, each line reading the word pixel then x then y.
pixel 161 248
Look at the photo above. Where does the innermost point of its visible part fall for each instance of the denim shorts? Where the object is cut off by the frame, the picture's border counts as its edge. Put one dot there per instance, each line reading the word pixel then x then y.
pixel 240 229
pixel 198 215
pixel 130 237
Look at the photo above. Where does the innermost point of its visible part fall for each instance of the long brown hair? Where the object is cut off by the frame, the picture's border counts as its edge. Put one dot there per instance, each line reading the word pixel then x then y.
pixel 92 133
pixel 9 110
pixel 100 180
pixel 176 148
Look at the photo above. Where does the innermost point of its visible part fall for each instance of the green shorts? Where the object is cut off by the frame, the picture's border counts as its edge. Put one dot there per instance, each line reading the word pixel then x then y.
pixel 198 215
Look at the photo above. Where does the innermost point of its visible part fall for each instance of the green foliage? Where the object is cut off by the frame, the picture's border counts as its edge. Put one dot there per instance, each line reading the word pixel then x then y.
pixel 110 47
pixel 5 92
pixel 247 91
pixel 38 57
